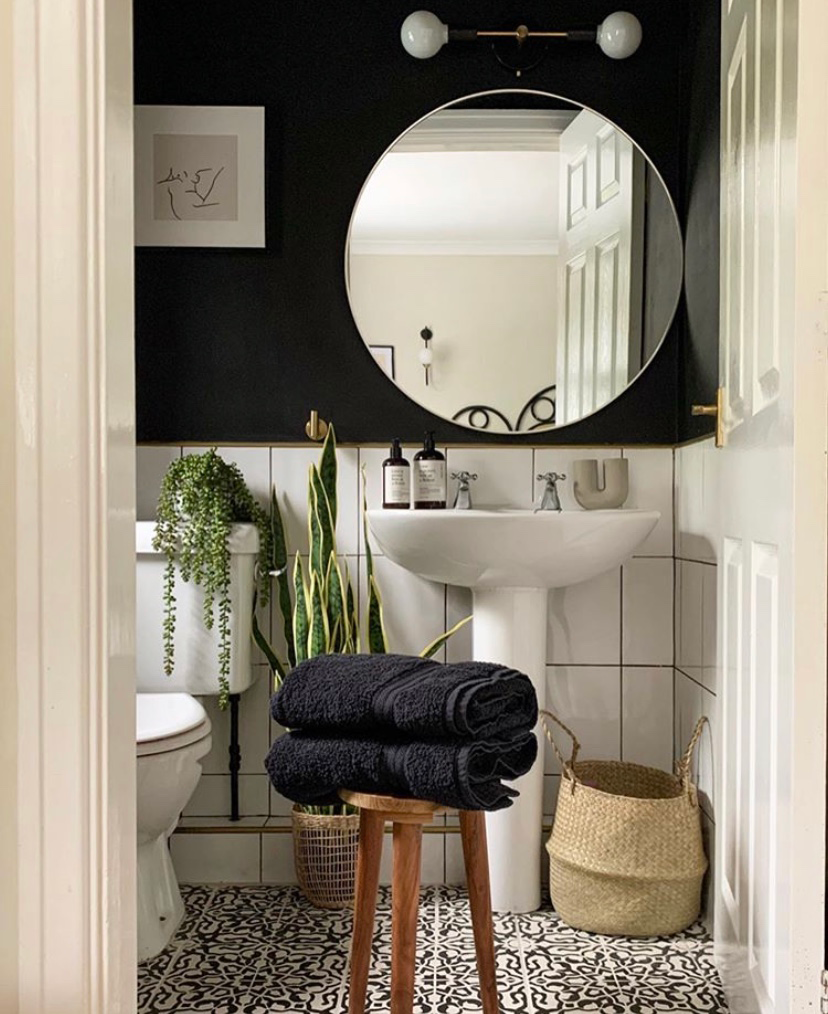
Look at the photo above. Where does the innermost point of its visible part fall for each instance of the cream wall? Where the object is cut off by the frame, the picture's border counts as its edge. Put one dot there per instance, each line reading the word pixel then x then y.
pixel 494 319
pixel 8 690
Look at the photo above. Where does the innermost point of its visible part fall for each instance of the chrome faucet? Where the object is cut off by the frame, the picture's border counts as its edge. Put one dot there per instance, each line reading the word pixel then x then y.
pixel 550 501
pixel 462 499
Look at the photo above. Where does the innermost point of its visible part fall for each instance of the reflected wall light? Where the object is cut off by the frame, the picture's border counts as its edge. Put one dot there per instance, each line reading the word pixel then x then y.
pixel 423 35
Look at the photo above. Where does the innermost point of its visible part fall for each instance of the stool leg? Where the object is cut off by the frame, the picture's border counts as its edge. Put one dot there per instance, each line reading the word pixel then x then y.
pixel 473 832
pixel 405 902
pixel 371 827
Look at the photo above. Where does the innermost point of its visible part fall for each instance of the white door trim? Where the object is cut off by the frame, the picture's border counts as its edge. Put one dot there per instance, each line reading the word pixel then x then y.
pixel 75 446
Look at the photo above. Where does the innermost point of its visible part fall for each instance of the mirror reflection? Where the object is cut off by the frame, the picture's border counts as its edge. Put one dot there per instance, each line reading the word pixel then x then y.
pixel 513 262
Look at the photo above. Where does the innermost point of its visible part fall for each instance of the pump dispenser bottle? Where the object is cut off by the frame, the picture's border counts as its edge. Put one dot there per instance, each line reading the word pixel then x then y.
pixel 429 476
pixel 396 479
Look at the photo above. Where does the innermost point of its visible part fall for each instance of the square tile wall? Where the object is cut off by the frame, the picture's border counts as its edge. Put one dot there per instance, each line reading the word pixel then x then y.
pixel 610 661
pixel 697 675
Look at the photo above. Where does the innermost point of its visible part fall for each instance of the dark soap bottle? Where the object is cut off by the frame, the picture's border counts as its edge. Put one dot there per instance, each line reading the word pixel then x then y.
pixel 396 479
pixel 429 476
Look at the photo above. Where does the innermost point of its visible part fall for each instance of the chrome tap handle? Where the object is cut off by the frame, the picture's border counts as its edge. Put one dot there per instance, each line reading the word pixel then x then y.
pixel 550 500
pixel 462 499
pixel 464 477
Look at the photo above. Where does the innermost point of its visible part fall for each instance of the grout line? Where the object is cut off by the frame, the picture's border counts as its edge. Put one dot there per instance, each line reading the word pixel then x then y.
pixel 524 974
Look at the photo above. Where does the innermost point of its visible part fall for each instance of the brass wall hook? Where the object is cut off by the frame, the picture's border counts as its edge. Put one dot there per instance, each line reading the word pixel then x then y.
pixel 316 428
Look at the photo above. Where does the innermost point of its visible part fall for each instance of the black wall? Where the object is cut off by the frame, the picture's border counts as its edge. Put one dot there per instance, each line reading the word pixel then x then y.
pixel 239 345
pixel 699 360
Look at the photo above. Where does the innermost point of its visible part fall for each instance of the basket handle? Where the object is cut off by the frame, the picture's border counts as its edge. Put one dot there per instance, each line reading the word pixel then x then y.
pixel 684 765
pixel 567 767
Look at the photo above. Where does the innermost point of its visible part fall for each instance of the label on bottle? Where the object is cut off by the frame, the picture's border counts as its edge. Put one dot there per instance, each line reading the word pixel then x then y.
pixel 396 487
pixel 429 481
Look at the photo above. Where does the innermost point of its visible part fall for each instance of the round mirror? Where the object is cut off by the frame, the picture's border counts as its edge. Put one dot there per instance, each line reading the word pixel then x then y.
pixel 514 261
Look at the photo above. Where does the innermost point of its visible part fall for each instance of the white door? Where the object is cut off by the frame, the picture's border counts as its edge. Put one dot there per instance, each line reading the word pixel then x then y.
pixel 600 280
pixel 773 510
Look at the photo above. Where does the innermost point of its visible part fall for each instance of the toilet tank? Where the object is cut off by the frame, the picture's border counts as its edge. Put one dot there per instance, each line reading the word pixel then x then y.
pixel 196 648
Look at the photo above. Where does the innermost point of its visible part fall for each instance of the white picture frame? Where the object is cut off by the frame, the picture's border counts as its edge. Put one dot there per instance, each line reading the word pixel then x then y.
pixel 199 176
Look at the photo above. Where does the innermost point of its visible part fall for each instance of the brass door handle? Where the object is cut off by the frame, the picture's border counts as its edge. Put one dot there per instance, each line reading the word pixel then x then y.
pixel 316 428
pixel 716 411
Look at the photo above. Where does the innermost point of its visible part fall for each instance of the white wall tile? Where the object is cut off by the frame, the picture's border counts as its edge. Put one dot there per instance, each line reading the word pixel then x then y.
pixel 588 700
pixel 212 796
pixel 710 625
pixel 504 475
pixel 151 464
pixel 647 612
pixel 432 870
pixel 706 754
pixel 458 606
pixel 689 583
pixel 697 508
pixel 254 734
pixel 647 709
pixel 280 806
pixel 289 473
pixel 277 859
pixel 216 858
pixel 560 460
pixel 455 863
pixel 413 608
pixel 687 710
pixel 585 622
pixel 651 488
pixel 551 788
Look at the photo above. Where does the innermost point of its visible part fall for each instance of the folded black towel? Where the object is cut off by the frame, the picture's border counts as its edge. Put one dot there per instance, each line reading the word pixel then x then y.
pixel 467 775
pixel 417 697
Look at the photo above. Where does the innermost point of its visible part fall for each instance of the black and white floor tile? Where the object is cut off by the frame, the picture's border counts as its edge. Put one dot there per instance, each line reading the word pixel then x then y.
pixel 261 950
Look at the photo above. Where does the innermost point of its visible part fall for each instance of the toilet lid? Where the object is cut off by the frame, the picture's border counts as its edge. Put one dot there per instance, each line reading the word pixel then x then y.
pixel 164 716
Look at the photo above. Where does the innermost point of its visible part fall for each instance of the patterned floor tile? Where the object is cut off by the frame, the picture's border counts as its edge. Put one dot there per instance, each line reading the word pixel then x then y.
pixel 266 950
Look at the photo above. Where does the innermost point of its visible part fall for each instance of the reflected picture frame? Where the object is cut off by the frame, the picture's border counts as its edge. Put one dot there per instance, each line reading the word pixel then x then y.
pixel 199 176
pixel 384 357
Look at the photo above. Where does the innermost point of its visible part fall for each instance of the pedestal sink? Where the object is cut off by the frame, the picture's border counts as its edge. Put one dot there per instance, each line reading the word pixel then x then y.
pixel 510 559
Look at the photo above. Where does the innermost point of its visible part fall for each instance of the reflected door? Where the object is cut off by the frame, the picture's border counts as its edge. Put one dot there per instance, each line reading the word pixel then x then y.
pixel 601 273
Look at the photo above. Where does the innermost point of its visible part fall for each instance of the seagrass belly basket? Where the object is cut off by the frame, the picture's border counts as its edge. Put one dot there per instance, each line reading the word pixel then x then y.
pixel 625 854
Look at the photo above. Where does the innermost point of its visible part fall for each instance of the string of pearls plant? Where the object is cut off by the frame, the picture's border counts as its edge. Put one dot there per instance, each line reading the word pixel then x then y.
pixel 202 497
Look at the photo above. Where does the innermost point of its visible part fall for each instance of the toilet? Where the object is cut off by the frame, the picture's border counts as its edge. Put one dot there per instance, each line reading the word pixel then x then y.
pixel 173 732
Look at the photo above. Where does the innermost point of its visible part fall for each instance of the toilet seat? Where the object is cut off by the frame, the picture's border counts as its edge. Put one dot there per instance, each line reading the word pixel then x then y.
pixel 166 722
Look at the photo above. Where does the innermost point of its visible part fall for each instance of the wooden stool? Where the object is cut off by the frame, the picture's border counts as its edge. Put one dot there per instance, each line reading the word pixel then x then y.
pixel 408 817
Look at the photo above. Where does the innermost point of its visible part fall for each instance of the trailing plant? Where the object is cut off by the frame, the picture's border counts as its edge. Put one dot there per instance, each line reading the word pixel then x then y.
pixel 317 603
pixel 202 497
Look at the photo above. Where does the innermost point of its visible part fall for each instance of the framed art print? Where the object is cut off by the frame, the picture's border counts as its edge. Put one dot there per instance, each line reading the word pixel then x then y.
pixel 199 176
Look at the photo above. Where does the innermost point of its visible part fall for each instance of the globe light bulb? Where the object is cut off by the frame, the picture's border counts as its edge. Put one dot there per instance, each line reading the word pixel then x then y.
pixel 423 34
pixel 426 357
pixel 619 36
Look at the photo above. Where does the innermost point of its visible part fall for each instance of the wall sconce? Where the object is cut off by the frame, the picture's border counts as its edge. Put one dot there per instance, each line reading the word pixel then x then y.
pixel 426 355
pixel 423 35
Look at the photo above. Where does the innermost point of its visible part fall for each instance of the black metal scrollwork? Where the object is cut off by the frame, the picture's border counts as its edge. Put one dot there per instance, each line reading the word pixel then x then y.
pixel 540 408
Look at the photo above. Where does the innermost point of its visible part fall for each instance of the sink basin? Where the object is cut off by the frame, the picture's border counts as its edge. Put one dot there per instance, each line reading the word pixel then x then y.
pixel 510 558
pixel 510 548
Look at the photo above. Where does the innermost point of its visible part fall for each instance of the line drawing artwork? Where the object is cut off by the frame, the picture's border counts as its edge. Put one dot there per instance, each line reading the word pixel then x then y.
pixel 199 176
pixel 198 200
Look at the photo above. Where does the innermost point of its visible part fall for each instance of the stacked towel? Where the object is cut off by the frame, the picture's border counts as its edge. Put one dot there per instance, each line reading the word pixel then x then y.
pixel 403 726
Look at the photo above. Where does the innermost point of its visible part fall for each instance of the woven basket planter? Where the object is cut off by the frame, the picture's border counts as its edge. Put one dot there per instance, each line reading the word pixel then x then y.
pixel 325 855
pixel 625 854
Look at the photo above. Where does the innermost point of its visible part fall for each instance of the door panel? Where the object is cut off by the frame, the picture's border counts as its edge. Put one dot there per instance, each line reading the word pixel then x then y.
pixel 773 505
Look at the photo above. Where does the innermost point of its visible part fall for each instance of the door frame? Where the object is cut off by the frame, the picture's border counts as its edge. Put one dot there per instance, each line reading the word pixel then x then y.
pixel 73 472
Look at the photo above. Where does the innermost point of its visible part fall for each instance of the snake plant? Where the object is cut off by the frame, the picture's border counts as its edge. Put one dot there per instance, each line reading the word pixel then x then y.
pixel 316 599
